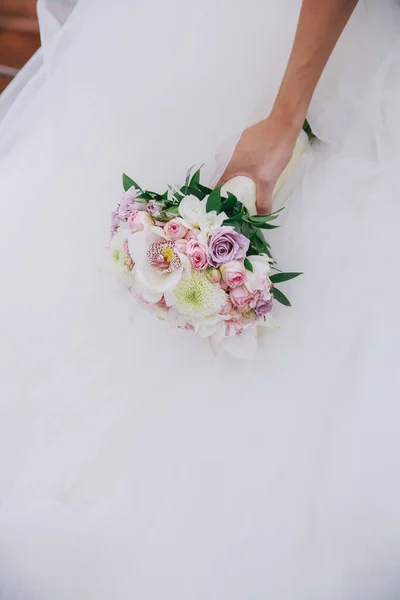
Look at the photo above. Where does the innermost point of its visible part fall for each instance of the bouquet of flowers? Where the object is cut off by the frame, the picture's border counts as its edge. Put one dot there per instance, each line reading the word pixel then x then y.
pixel 198 258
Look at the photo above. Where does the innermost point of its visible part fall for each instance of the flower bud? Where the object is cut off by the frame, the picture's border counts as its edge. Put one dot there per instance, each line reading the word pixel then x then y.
pixel 213 275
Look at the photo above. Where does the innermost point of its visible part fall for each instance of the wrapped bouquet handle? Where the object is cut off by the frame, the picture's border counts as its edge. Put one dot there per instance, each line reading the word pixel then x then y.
pixel 244 188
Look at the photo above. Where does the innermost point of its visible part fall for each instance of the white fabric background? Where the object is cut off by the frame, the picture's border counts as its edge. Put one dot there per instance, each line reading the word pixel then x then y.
pixel 134 465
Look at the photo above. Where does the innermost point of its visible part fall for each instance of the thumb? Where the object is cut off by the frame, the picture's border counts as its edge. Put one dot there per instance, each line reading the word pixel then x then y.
pixel 264 197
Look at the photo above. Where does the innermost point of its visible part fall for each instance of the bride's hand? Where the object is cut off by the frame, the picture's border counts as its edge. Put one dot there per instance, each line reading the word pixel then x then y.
pixel 262 153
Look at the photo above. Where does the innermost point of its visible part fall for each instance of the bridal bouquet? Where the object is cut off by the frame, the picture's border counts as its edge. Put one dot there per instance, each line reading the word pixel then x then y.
pixel 198 258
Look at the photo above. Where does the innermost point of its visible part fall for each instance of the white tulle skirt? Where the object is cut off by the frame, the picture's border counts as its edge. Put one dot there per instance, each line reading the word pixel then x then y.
pixel 133 463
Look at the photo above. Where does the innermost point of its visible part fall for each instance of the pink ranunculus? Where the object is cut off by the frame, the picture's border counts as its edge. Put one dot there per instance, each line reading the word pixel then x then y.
pixel 233 273
pixel 174 230
pixel 181 246
pixel 240 296
pixel 213 275
pixel 227 308
pixel 138 221
pixel 197 255
pixel 192 234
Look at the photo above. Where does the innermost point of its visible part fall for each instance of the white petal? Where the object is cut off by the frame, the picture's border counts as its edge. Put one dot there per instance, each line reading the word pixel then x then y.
pixel 244 189
pixel 170 298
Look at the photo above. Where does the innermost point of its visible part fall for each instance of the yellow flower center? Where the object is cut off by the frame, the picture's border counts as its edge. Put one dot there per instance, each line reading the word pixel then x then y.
pixel 168 254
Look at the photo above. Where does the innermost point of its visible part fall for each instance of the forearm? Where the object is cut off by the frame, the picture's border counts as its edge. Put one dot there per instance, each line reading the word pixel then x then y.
pixel 320 25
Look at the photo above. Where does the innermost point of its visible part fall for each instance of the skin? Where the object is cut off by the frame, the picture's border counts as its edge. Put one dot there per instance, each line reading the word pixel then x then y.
pixel 265 148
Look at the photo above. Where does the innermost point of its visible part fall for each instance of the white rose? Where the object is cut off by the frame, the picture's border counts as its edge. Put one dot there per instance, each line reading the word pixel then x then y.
pixel 211 221
pixel 257 279
pixel 192 210
pixel 245 189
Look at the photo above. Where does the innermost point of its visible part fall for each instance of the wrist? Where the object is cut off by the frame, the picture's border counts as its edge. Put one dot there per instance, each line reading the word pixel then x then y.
pixel 291 119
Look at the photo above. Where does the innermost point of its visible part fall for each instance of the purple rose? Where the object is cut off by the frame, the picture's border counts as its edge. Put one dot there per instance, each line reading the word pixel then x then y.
pixel 263 306
pixel 226 245
pixel 129 204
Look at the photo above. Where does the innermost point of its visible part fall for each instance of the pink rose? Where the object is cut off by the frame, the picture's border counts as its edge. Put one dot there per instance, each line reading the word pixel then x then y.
pixel 181 246
pixel 197 255
pixel 224 286
pixel 240 296
pixel 174 230
pixel 233 273
pixel 139 220
pixel 192 234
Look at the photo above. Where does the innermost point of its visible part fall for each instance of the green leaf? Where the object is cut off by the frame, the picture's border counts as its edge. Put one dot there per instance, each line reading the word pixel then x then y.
pixel 280 297
pixel 252 251
pixel 230 203
pixel 248 265
pixel 204 189
pixel 247 230
pixel 214 200
pixel 257 219
pixel 145 196
pixel 307 128
pixel 165 195
pixel 195 178
pixel 127 183
pixel 281 277
pixel 267 226
pixel 194 191
pixel 172 210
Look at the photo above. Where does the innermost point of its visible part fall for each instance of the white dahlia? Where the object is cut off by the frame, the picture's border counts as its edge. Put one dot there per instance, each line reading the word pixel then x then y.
pixel 198 298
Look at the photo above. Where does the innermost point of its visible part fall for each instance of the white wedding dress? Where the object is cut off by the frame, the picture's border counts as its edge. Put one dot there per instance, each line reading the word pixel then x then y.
pixel 134 464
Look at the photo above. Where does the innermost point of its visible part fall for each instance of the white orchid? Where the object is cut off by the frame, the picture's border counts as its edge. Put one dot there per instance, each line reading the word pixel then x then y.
pixel 153 282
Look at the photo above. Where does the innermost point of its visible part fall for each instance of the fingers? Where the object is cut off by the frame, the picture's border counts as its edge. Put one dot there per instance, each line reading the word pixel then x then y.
pixel 264 197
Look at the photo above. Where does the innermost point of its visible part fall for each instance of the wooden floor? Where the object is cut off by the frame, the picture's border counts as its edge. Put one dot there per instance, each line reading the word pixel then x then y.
pixel 19 36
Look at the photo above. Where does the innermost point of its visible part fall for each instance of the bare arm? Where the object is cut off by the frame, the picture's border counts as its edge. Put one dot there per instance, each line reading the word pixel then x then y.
pixel 265 149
